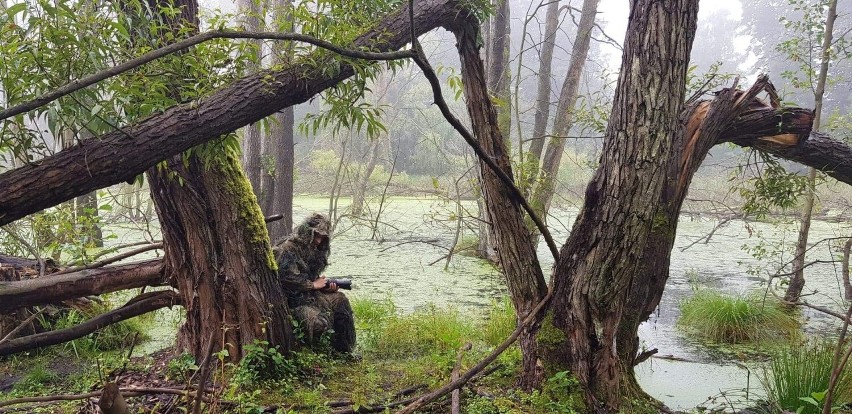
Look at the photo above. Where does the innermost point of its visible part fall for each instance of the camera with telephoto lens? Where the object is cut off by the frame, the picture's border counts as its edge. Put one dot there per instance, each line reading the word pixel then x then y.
pixel 341 283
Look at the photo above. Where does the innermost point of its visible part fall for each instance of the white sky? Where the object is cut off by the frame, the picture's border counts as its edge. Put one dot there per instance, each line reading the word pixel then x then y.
pixel 613 15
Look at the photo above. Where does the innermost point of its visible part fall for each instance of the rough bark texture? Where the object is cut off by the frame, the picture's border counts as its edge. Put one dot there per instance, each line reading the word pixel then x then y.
pixel 542 102
pixel 545 186
pixel 252 150
pixel 278 186
pixel 517 257
pixel 219 257
pixel 116 157
pixel 218 253
pixel 54 289
pixel 598 263
pixel 731 116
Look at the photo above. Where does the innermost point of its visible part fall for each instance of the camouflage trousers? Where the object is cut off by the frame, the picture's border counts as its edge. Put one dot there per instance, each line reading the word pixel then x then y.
pixel 328 311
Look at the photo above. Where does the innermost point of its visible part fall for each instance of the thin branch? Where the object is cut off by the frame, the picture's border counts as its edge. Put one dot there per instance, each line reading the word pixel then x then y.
pixel 185 44
pixel 18 328
pixel 139 305
pixel 125 392
pixel 113 259
pixel 423 63
pixel 462 380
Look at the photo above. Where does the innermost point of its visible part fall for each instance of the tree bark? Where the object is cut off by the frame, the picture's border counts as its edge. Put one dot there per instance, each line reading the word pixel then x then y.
pixel 732 116
pixel 598 263
pixel 219 257
pixel 542 102
pixel 252 148
pixel 545 186
pixel 217 250
pixel 142 304
pixel 278 185
pixel 518 259
pixel 54 289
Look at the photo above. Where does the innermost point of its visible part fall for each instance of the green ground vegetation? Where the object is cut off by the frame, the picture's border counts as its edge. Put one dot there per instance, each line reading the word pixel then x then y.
pixel 797 377
pixel 395 352
pixel 733 319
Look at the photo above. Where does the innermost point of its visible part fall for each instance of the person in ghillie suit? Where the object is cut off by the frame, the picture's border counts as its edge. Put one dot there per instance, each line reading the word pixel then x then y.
pixel 302 257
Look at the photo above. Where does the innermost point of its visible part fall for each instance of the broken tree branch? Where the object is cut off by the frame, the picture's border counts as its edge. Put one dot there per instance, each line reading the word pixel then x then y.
pixel 53 289
pixel 147 302
pixel 102 263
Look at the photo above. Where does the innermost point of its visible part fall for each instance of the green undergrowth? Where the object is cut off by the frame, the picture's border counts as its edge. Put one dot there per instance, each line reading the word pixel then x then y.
pixel 396 351
pixel 735 319
pixel 797 377
pixel 417 350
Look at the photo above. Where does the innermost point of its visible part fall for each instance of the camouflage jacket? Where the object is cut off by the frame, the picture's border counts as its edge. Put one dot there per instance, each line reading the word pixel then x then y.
pixel 300 263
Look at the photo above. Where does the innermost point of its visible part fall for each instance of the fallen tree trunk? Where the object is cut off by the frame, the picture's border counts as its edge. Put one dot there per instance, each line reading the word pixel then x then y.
pixel 54 289
pixel 139 305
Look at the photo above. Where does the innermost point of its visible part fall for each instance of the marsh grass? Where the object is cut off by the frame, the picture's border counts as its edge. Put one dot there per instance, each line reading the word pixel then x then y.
pixel 796 377
pixel 735 319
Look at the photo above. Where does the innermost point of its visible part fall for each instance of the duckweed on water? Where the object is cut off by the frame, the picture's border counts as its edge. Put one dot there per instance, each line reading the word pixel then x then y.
pixel 735 319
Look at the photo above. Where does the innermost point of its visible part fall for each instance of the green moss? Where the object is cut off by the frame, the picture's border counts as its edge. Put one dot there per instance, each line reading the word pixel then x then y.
pixel 549 336
pixel 237 185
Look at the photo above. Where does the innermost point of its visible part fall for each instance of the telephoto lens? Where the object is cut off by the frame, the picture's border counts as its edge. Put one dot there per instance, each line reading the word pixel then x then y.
pixel 341 283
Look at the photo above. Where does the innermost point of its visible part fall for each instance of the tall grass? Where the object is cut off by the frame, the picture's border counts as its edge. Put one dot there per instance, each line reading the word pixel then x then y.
pixel 500 323
pixel 798 372
pixel 735 319
pixel 386 333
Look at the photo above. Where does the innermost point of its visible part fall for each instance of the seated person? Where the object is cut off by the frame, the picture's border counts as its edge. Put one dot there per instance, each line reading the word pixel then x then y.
pixel 318 308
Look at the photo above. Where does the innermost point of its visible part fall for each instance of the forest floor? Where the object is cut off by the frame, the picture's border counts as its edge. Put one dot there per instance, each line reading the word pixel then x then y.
pixel 398 358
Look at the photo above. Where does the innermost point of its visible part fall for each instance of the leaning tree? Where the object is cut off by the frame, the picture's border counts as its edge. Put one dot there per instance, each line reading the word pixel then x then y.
pixel 611 272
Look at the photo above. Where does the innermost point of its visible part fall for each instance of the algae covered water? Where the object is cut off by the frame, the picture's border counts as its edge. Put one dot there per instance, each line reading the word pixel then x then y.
pixel 402 258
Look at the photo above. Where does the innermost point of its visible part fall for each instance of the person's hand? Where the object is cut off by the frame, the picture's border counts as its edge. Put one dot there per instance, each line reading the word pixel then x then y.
pixel 319 283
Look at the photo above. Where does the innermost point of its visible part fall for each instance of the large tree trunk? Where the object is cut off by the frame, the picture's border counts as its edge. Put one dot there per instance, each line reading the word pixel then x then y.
pixel 217 250
pixel 517 257
pixel 251 21
pixel 542 102
pixel 278 186
pixel 797 281
pixel 219 257
pixel 497 78
pixel 545 186
pixel 598 263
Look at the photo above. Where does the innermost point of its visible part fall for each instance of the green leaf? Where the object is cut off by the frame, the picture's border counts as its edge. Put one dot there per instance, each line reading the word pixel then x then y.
pixel 15 9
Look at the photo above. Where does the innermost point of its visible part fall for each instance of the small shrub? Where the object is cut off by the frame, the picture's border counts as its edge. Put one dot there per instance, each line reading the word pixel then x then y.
pixel 717 317
pixel 263 365
pixel 181 367
pixel 797 378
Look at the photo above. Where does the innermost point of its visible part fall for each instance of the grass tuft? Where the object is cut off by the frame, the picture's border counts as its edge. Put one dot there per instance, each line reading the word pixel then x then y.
pixel 797 377
pixel 736 319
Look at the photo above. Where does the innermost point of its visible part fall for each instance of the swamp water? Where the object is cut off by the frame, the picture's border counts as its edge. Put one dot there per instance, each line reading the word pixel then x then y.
pixel 405 266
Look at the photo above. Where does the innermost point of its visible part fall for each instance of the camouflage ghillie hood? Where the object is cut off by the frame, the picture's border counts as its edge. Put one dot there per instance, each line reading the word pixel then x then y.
pixel 314 224
pixel 299 244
